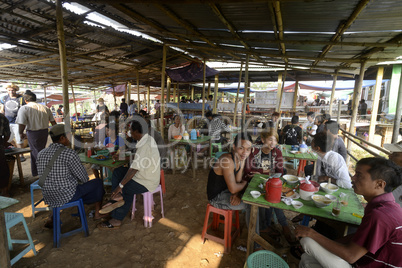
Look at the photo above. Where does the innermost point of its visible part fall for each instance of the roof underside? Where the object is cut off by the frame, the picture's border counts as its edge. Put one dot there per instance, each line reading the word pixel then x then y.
pixel 313 39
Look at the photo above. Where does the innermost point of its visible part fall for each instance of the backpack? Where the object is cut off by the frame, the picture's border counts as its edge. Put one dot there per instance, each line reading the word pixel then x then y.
pixel 291 136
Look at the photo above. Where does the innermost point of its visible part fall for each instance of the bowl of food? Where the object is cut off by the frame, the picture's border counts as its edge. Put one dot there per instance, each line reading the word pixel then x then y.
pixel 177 137
pixel 321 201
pixel 329 188
pixel 100 157
pixel 103 152
pixel 291 179
pixel 255 194
pixel 297 204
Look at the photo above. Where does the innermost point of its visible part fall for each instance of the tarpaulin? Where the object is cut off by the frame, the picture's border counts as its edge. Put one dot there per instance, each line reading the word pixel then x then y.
pixel 190 73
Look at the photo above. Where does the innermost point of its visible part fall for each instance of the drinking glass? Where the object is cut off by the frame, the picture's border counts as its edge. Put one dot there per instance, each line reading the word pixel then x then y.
pixel 336 208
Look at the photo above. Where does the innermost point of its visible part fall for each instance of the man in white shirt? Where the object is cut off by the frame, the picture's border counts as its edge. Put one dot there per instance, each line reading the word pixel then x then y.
pixel 35 118
pixel 142 176
pixel 309 128
pixel 329 163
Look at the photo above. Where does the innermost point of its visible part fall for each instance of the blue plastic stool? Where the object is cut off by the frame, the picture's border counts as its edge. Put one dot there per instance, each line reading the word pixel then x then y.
pixel 265 258
pixel 57 235
pixel 35 186
pixel 13 219
pixel 107 179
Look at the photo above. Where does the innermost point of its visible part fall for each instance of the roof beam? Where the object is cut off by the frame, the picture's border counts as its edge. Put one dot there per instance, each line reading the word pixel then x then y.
pixel 276 18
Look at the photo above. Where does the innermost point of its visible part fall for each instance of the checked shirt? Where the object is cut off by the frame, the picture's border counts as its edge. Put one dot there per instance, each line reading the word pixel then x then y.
pixel 63 179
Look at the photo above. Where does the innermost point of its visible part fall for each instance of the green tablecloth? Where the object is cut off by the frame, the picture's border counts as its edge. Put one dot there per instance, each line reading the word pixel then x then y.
pixel 285 149
pixel 104 163
pixel 309 208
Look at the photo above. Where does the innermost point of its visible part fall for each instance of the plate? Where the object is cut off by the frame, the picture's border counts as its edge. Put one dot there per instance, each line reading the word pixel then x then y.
pixel 294 196
pixel 95 156
pixel 293 152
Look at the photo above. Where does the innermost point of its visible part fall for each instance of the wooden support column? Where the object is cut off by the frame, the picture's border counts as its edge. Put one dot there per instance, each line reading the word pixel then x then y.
pixel 203 88
pixel 214 109
pixel 356 98
pixel 75 104
pixel 282 88
pixel 398 113
pixel 114 97
pixel 374 109
pixel 169 84
pixel 245 93
pixel 209 90
pixel 138 91
pixel 278 92
pixel 128 93
pixel 333 93
pixel 44 92
pixel 162 108
pixel 339 111
pixel 192 93
pixel 178 93
pixel 295 95
pixel 149 98
pixel 63 61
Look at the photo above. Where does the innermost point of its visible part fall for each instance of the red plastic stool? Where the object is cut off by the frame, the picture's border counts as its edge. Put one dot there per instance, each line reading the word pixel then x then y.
pixel 162 183
pixel 228 223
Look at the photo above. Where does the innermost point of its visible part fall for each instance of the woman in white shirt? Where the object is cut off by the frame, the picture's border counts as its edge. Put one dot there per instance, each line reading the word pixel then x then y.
pixel 179 155
pixel 176 129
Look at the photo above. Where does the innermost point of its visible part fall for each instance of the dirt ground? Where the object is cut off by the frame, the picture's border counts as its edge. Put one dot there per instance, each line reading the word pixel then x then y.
pixel 173 241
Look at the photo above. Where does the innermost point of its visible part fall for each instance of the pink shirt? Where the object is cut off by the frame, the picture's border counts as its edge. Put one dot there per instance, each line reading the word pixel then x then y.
pixel 381 233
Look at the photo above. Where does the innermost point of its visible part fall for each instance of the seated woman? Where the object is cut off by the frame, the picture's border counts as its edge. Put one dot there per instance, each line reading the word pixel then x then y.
pixel 268 160
pixel 180 153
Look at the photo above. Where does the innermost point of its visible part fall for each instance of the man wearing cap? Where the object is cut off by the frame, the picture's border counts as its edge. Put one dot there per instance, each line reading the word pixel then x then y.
pixel 396 157
pixel 67 179
pixel 12 103
pixel 35 118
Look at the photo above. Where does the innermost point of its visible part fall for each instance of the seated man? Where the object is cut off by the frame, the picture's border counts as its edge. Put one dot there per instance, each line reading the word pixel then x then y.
pixel 142 176
pixel 396 157
pixel 329 163
pixel 292 134
pixel 378 240
pixel 67 180
pixel 332 129
pixel 309 128
pixel 225 182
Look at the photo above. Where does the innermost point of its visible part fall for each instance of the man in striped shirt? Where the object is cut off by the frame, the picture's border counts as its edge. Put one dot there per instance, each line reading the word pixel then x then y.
pixel 378 240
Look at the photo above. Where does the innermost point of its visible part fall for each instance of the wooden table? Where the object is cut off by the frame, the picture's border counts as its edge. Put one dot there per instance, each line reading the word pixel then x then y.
pixel 109 163
pixel 16 152
pixel 302 157
pixel 308 208
pixel 193 147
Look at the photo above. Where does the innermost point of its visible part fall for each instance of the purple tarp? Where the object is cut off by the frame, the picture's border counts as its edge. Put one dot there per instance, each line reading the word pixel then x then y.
pixel 190 73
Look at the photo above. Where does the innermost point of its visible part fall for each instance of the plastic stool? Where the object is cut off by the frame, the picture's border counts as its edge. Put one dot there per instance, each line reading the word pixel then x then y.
pixel 149 206
pixel 13 219
pixel 228 222
pixel 302 164
pixel 163 182
pixel 35 186
pixel 219 154
pixel 219 145
pixel 265 258
pixel 107 180
pixel 57 235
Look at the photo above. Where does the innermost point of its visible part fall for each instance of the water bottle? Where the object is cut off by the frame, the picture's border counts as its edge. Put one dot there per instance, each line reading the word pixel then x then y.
pixel 193 134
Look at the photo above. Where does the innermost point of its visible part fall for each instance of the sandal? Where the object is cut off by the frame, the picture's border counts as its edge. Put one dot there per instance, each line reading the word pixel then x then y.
pixel 297 251
pixel 113 205
pixel 106 225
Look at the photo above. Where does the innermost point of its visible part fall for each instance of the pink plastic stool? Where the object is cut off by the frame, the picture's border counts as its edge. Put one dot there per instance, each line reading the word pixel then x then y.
pixel 149 206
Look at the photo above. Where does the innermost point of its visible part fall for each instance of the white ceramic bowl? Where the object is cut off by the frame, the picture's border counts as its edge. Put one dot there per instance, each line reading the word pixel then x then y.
pixel 321 201
pixel 290 179
pixel 303 150
pixel 255 194
pixel 331 197
pixel 305 195
pixel 297 204
pixel 329 189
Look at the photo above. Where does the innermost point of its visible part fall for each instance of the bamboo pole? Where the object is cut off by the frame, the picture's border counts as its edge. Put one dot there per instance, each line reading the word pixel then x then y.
pixel 75 104
pixel 282 89
pixel 203 88
pixel 278 92
pixel 138 91
pixel 339 111
pixel 356 97
pixel 188 92
pixel 63 60
pixel 149 99
pixel 178 93
pixel 169 84
pixel 128 93
pixel 398 113
pixel 114 97
pixel 44 92
pixel 374 110
pixel 214 109
pixel 192 93
pixel 295 96
pixel 333 93
pixel 174 93
pixel 162 129
pixel 245 94
pixel 237 95
pixel 344 132
pixel 209 90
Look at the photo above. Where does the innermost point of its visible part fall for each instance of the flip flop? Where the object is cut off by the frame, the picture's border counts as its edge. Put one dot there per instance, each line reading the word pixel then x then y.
pixel 297 251
pixel 106 226
pixel 113 205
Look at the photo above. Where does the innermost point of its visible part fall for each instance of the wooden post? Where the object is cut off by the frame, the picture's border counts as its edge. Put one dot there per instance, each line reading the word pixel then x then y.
pixel 162 129
pixel 356 98
pixel 128 93
pixel 209 90
pixel 44 92
pixel 203 88
pixel 192 93
pixel 178 93
pixel 374 110
pixel 75 104
pixel 188 92
pixel 63 60
pixel 339 111
pixel 214 109
pixel 282 87
pixel 237 95
pixel 174 93
pixel 149 98
pixel 333 92
pixel 169 84
pixel 295 96
pixel 138 91
pixel 114 97
pixel 398 113
pixel 245 93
